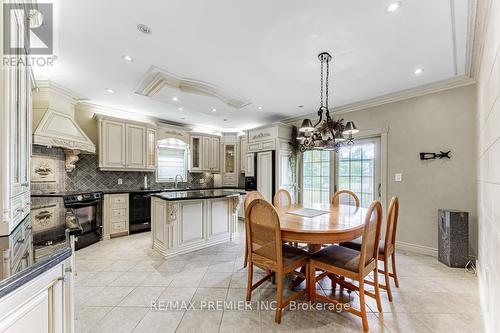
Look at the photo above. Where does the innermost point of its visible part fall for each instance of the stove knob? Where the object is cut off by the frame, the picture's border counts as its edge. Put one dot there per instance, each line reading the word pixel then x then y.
pixel 79 198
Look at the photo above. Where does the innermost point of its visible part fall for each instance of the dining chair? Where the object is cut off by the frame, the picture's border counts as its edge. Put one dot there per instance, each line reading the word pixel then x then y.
pixel 351 194
pixel 282 198
pixel 338 263
pixel 387 248
pixel 265 249
pixel 251 196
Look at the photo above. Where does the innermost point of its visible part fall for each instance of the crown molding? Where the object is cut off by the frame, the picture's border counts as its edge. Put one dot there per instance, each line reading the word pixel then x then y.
pixel 106 111
pixel 426 89
pixel 45 85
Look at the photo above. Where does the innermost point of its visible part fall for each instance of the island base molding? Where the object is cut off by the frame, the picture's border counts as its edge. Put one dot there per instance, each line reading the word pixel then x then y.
pixel 180 227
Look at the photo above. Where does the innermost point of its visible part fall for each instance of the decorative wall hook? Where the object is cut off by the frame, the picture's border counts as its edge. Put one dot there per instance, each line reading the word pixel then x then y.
pixel 433 156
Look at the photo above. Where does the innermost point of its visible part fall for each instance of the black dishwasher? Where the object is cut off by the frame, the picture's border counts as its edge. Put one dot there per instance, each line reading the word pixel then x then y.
pixel 139 212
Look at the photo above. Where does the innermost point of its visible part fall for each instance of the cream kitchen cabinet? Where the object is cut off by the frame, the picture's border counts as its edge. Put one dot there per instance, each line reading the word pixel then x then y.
pixel 126 146
pixel 204 154
pixel 15 132
pixel 115 215
pixel 44 304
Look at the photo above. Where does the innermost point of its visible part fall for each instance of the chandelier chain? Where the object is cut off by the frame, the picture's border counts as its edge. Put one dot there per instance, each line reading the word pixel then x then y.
pixel 321 89
pixel 327 79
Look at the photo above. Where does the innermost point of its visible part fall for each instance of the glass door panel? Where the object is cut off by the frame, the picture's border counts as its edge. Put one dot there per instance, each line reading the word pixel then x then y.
pixel 316 177
pixel 358 170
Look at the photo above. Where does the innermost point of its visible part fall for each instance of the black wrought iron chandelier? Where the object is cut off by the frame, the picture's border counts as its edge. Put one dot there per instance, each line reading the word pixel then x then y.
pixel 326 134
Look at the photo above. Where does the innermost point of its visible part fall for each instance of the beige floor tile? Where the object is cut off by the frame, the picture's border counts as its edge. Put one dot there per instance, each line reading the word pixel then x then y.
pixel 130 279
pixel 456 323
pixel 142 296
pixel 108 296
pixel 301 321
pixel 240 321
pixel 221 267
pixel 157 279
pixel 171 294
pixel 196 321
pixel 120 320
pixel 216 280
pixel 205 298
pixel 185 280
pixel 88 316
pixel 159 321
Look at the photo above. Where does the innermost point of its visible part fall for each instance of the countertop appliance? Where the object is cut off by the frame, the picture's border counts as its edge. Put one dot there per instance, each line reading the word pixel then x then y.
pixel 86 208
pixel 139 212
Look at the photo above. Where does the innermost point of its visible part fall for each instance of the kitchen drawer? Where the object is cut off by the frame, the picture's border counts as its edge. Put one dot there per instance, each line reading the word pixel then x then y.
pixel 118 213
pixel 119 200
pixel 118 227
pixel 17 208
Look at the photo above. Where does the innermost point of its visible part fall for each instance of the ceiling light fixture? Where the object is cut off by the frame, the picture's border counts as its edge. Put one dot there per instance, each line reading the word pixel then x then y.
pixel 327 134
pixel 109 90
pixel 180 109
pixel 127 58
pixel 214 110
pixel 260 108
pixel 175 99
pixel 418 71
pixel 144 29
pixel 392 7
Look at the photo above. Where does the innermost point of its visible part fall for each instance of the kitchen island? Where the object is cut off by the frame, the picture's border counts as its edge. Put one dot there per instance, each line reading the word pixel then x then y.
pixel 185 221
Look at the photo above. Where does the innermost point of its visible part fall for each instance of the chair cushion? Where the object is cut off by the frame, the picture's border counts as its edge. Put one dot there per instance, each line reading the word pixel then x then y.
pixel 338 256
pixel 291 254
pixel 356 245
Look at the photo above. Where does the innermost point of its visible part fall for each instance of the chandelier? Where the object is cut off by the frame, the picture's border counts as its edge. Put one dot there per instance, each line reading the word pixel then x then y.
pixel 326 134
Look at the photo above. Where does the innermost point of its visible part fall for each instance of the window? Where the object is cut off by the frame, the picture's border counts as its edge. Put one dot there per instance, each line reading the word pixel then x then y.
pixel 357 170
pixel 316 177
pixel 172 160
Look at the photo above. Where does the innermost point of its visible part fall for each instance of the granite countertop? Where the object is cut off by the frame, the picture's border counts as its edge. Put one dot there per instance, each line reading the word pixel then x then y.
pixel 198 194
pixel 28 255
pixel 116 191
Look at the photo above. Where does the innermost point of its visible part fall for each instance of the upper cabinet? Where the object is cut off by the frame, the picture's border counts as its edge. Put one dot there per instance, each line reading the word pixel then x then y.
pixel 15 129
pixel 126 146
pixel 230 159
pixel 204 153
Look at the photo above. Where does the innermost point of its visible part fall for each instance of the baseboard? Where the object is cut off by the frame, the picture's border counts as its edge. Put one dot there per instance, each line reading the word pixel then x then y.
pixel 420 249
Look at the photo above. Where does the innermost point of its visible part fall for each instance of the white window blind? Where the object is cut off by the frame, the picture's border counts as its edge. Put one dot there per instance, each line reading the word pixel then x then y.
pixel 172 160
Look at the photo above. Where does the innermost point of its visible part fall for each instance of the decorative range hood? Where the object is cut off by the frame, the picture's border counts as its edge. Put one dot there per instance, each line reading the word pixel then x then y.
pixel 58 127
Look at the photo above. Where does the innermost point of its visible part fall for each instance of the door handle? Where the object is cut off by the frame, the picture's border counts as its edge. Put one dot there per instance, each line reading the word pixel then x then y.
pixel 379 190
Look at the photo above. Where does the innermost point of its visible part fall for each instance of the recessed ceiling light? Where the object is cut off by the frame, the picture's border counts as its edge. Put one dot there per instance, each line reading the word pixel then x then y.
pixel 260 108
pixel 214 110
pixel 175 99
pixel 392 7
pixel 109 90
pixel 300 106
pixel 144 28
pixel 418 71
pixel 224 119
pixel 180 109
pixel 127 58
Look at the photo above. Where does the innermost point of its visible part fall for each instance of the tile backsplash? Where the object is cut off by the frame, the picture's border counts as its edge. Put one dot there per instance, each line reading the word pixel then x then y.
pixel 87 177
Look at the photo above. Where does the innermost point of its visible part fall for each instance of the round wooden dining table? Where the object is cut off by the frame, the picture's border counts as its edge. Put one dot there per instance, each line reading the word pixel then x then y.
pixel 335 224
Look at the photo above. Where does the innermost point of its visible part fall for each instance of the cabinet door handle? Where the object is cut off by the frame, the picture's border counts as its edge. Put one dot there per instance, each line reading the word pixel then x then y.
pixel 25 184
pixel 20 210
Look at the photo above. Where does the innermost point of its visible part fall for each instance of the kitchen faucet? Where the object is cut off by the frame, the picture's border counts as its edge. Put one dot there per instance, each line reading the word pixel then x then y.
pixel 176 182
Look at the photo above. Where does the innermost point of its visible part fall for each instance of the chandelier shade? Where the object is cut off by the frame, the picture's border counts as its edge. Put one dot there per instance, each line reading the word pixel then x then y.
pixel 350 128
pixel 306 126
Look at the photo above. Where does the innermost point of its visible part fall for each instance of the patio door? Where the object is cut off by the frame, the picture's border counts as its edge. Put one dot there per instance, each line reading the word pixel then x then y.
pixel 357 168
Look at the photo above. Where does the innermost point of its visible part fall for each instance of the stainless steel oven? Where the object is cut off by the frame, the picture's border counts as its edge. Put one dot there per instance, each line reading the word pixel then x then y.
pixel 86 210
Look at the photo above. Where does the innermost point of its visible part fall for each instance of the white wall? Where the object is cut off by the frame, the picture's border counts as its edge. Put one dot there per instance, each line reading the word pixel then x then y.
pixel 487 54
pixel 440 121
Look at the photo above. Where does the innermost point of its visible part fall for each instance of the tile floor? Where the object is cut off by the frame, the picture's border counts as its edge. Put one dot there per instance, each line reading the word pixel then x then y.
pixel 118 279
